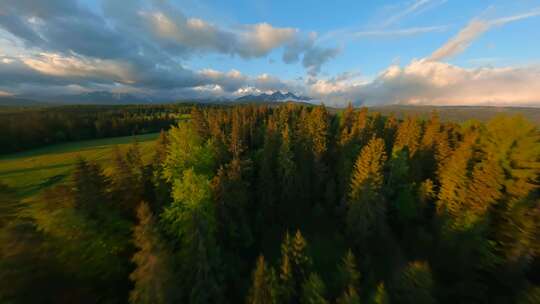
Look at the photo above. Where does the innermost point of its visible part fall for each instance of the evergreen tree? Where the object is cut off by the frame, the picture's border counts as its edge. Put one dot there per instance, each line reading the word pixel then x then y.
pixel 454 178
pixel 408 136
pixel 366 213
pixel 231 196
pixel 191 220
pixel 153 280
pixel 127 182
pixel 361 128
pixel 200 125
pixel 414 285
pixel 313 290
pixel 295 266
pixel 318 131
pixel 287 169
pixel 236 145
pixel 530 296
pixel 349 272
pixel 161 188
pixel 267 184
pixel 90 186
pixel 346 134
pixel 263 287
pixel 432 130
pixel 381 296
pixel 350 280
pixel 349 296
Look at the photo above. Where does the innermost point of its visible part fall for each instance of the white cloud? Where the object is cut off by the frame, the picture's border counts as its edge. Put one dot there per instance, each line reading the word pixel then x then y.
pixel 399 32
pixel 473 30
pixel 436 83
pixel 78 66
pixel 255 40
pixel 412 8
pixel 263 37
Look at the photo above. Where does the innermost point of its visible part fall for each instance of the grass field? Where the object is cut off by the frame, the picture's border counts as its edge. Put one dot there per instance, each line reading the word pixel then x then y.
pixel 31 171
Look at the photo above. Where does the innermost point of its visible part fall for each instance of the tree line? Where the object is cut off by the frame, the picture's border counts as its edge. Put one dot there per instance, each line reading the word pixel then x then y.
pixel 290 204
pixel 26 128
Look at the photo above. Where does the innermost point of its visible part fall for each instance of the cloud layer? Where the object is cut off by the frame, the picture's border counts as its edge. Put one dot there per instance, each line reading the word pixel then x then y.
pixel 61 46
pixel 430 82
pixel 140 44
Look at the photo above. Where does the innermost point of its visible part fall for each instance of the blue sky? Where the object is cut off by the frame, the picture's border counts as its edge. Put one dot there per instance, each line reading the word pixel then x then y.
pixel 366 52
pixel 369 55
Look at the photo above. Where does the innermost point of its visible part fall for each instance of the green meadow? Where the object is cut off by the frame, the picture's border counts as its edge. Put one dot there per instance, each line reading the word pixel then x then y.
pixel 31 171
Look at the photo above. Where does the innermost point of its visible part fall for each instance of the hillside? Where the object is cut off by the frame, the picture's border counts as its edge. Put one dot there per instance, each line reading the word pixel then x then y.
pixel 458 113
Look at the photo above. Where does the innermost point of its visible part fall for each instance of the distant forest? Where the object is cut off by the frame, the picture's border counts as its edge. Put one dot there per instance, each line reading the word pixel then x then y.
pixel 31 127
pixel 289 204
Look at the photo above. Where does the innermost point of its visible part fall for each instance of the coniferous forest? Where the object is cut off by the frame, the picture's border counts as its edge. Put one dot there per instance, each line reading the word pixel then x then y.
pixel 290 204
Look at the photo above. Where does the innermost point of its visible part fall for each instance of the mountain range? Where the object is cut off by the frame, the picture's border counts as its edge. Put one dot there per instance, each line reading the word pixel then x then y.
pixel 103 98
pixel 274 97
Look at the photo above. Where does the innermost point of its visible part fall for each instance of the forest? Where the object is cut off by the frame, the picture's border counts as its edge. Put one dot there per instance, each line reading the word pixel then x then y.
pixel 31 127
pixel 291 204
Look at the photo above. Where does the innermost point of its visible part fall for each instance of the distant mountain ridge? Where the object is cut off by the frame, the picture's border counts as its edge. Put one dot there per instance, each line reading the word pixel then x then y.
pixel 274 97
pixel 104 97
pixel 14 101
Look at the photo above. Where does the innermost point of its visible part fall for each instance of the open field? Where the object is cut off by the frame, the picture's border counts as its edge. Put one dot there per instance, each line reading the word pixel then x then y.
pixel 31 171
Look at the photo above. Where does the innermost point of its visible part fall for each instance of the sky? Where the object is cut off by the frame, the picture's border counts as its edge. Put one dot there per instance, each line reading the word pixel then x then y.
pixel 437 52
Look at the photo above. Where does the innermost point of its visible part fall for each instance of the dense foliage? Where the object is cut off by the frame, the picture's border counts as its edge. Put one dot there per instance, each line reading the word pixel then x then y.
pixel 289 204
pixel 24 128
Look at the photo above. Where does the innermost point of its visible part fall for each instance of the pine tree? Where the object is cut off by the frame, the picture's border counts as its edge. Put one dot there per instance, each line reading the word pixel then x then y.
pixel 368 170
pixel 313 290
pixel 366 208
pixel 443 149
pixel 295 266
pixel 381 296
pixel 361 128
pixel 262 290
pixel 161 188
pixel 346 126
pixel 236 145
pixel 204 263
pixel 349 296
pixel 200 125
pixel 267 183
pixel 318 131
pixel 90 187
pixel 287 168
pixel 431 132
pixel 153 278
pixel 454 178
pixel 350 279
pixel 127 181
pixel 299 256
pixel 160 148
pixel 484 188
pixel 349 271
pixel 231 197
pixel 408 136
pixel 190 221
pixel 414 285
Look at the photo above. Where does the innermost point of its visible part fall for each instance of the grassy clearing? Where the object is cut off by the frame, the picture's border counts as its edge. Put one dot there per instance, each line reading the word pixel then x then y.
pixel 31 171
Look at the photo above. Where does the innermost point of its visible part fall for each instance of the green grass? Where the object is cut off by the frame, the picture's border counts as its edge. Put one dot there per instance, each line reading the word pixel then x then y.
pixel 32 171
